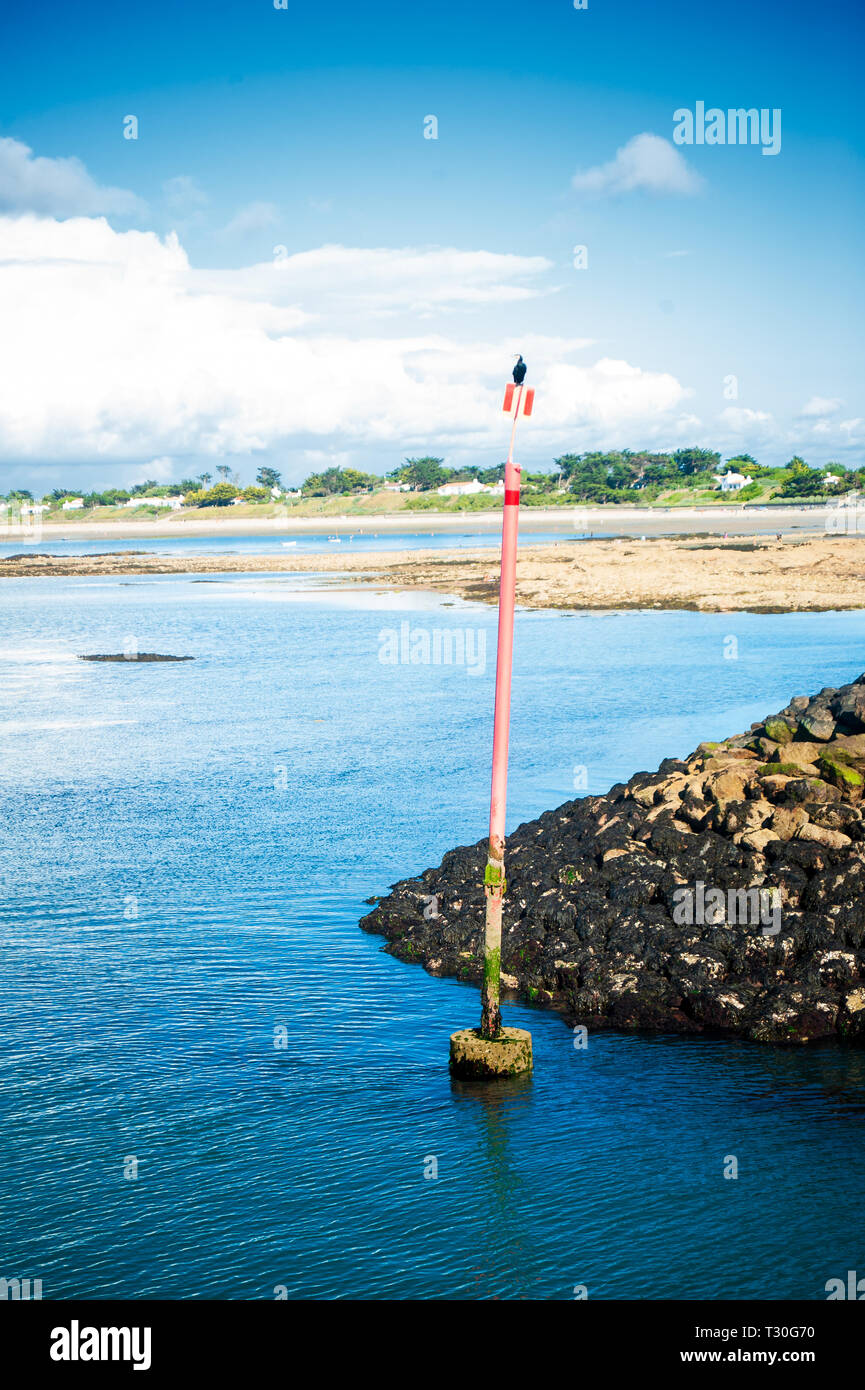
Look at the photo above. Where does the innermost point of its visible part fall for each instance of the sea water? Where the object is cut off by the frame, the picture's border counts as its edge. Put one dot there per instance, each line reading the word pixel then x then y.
pixel 212 1084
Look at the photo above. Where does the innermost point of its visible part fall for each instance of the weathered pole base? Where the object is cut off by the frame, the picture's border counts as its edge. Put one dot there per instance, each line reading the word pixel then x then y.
pixel 478 1058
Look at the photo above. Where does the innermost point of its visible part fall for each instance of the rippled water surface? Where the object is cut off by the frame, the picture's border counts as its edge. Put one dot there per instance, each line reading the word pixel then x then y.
pixel 185 854
pixel 342 540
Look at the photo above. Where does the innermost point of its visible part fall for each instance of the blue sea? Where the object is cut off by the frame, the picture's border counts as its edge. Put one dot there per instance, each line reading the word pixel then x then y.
pixel 213 1085
pixel 287 545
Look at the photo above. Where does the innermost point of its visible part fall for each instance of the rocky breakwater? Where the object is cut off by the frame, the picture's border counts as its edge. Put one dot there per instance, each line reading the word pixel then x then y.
pixel 723 893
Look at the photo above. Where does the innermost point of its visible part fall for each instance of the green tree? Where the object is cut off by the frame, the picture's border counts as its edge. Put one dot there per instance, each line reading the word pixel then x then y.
pixel 219 495
pixel 324 484
pixel 567 464
pixel 423 473
pixel 355 481
pixel 268 477
pixel 807 484
pixel 255 494
pixel 695 460
pixel 488 476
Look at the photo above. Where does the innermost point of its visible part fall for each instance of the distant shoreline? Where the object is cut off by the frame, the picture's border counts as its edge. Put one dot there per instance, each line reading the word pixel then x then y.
pixel 758 575
pixel 612 519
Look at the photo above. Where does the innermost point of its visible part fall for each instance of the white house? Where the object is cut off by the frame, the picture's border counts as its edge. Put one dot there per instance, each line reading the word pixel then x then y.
pixel 734 482
pixel 831 480
pixel 460 489
pixel 293 492
pixel 73 504
pixel 397 487
pixel 175 503
pixel 469 489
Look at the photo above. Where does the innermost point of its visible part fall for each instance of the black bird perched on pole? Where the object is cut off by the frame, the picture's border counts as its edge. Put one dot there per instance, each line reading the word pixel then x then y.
pixel 520 371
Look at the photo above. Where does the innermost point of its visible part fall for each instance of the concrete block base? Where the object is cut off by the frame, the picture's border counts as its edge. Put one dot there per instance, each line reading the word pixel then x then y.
pixel 477 1058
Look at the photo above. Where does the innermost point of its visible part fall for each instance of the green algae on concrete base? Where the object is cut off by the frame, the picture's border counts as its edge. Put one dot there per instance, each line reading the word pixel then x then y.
pixel 476 1057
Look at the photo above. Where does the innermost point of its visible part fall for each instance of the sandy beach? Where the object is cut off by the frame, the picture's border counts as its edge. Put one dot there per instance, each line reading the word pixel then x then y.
pixel 609 520
pixel 761 575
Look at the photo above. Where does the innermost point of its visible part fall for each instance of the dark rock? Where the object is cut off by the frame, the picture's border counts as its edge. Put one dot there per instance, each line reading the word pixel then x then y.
pixel 811 789
pixel 709 896
pixel 817 724
pixel 137 656
pixel 849 709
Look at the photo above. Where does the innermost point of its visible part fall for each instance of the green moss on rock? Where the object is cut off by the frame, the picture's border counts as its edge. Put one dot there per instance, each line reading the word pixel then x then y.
pixel 839 773
pixel 778 730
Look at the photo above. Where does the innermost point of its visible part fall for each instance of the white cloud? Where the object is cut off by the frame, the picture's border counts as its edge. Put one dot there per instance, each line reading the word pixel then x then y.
pixel 161 469
pixel 609 396
pixel 744 421
pixel 646 162
pixel 816 421
pixel 819 406
pixel 183 195
pixel 55 187
pixel 116 349
pixel 338 279
pixel 255 217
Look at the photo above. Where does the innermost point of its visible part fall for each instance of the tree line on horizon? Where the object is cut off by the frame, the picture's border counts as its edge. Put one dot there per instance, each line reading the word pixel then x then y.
pixel 598 476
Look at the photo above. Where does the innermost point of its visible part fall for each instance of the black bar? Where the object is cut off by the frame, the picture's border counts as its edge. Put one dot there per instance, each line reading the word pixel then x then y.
pixel 219 1340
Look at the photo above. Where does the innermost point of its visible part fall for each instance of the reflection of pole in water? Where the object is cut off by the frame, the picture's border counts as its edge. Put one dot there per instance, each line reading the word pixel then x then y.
pixel 507 1251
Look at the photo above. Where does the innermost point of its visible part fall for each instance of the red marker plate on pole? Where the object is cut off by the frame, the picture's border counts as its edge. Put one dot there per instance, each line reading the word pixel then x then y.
pixel 525 399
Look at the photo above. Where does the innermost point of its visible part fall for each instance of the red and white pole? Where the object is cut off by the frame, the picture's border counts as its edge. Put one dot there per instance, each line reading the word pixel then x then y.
pixel 494 877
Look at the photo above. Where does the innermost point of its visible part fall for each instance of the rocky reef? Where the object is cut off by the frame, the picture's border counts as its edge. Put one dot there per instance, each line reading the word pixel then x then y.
pixel 723 893
pixel 133 656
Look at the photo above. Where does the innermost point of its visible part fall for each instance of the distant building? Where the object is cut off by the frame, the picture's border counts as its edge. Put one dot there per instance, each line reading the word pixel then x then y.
pixel 460 489
pixel 831 480
pixel 293 492
pixel 73 504
pixel 469 489
pixel 734 482
pixel 175 503
pixel 397 487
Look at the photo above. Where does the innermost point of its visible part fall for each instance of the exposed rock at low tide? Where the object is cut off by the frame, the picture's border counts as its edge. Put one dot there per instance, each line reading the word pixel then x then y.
pixel 723 893
pixel 134 656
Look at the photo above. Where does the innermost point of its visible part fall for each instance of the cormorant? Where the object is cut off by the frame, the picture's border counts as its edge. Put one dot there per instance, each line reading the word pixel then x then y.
pixel 520 371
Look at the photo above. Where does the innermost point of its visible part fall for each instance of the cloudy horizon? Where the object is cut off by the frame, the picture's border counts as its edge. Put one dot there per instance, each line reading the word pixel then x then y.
pixel 193 271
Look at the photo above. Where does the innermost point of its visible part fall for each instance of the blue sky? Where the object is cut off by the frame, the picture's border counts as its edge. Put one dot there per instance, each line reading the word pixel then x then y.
pixel 303 129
